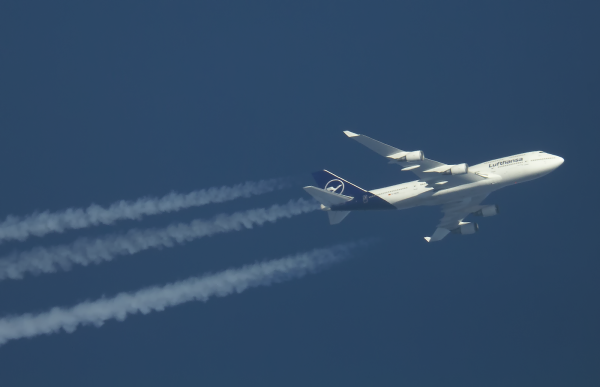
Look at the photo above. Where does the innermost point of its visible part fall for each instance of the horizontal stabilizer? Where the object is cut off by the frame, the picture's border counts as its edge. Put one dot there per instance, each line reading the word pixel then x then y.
pixel 337 216
pixel 327 198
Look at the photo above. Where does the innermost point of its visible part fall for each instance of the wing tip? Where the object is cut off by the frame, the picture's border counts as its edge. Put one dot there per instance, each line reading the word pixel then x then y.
pixel 350 134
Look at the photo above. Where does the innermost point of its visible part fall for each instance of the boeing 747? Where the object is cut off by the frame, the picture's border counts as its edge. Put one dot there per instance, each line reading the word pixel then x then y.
pixel 458 188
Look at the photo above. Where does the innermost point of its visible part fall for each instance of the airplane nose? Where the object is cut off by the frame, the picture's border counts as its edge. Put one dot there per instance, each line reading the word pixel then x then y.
pixel 560 161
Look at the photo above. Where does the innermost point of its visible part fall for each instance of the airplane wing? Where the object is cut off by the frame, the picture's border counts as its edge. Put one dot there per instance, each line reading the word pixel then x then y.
pixel 454 213
pixel 433 172
pixel 387 151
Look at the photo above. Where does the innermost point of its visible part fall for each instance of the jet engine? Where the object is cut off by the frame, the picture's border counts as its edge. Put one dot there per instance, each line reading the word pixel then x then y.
pixel 465 229
pixel 488 211
pixel 412 156
pixel 459 169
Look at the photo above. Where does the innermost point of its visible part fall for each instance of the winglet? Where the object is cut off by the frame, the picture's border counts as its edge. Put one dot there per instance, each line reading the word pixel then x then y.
pixel 438 235
pixel 350 134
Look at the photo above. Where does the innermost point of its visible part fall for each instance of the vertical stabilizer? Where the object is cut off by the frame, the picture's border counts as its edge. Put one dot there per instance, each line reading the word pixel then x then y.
pixel 335 184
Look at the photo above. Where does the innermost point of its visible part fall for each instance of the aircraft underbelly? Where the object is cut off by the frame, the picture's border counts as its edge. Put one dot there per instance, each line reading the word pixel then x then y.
pixel 433 198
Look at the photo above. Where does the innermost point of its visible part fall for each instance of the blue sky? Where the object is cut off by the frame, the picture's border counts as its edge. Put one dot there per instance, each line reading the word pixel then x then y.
pixel 117 100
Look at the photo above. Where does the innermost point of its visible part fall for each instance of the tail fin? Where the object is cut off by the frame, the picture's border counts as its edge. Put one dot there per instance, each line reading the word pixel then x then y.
pixel 335 184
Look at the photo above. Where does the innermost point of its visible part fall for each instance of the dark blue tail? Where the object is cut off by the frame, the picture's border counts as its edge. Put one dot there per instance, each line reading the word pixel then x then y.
pixel 332 183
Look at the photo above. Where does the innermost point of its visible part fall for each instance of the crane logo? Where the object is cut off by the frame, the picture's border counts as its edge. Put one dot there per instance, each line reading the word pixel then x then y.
pixel 335 186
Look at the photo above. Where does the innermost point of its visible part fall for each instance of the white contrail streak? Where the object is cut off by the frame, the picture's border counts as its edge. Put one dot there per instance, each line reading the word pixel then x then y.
pixel 87 251
pixel 158 298
pixel 39 224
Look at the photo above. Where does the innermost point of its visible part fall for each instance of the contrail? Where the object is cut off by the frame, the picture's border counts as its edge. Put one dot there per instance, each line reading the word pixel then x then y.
pixel 39 224
pixel 85 251
pixel 158 298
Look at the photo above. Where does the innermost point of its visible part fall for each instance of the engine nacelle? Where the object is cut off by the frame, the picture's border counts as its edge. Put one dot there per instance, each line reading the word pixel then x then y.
pixel 459 169
pixel 466 229
pixel 488 211
pixel 412 156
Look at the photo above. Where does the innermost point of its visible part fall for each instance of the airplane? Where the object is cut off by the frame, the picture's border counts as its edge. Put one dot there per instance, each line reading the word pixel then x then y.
pixel 458 188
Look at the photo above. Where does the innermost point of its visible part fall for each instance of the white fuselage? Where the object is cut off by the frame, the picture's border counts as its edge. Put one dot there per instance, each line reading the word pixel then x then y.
pixel 498 174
